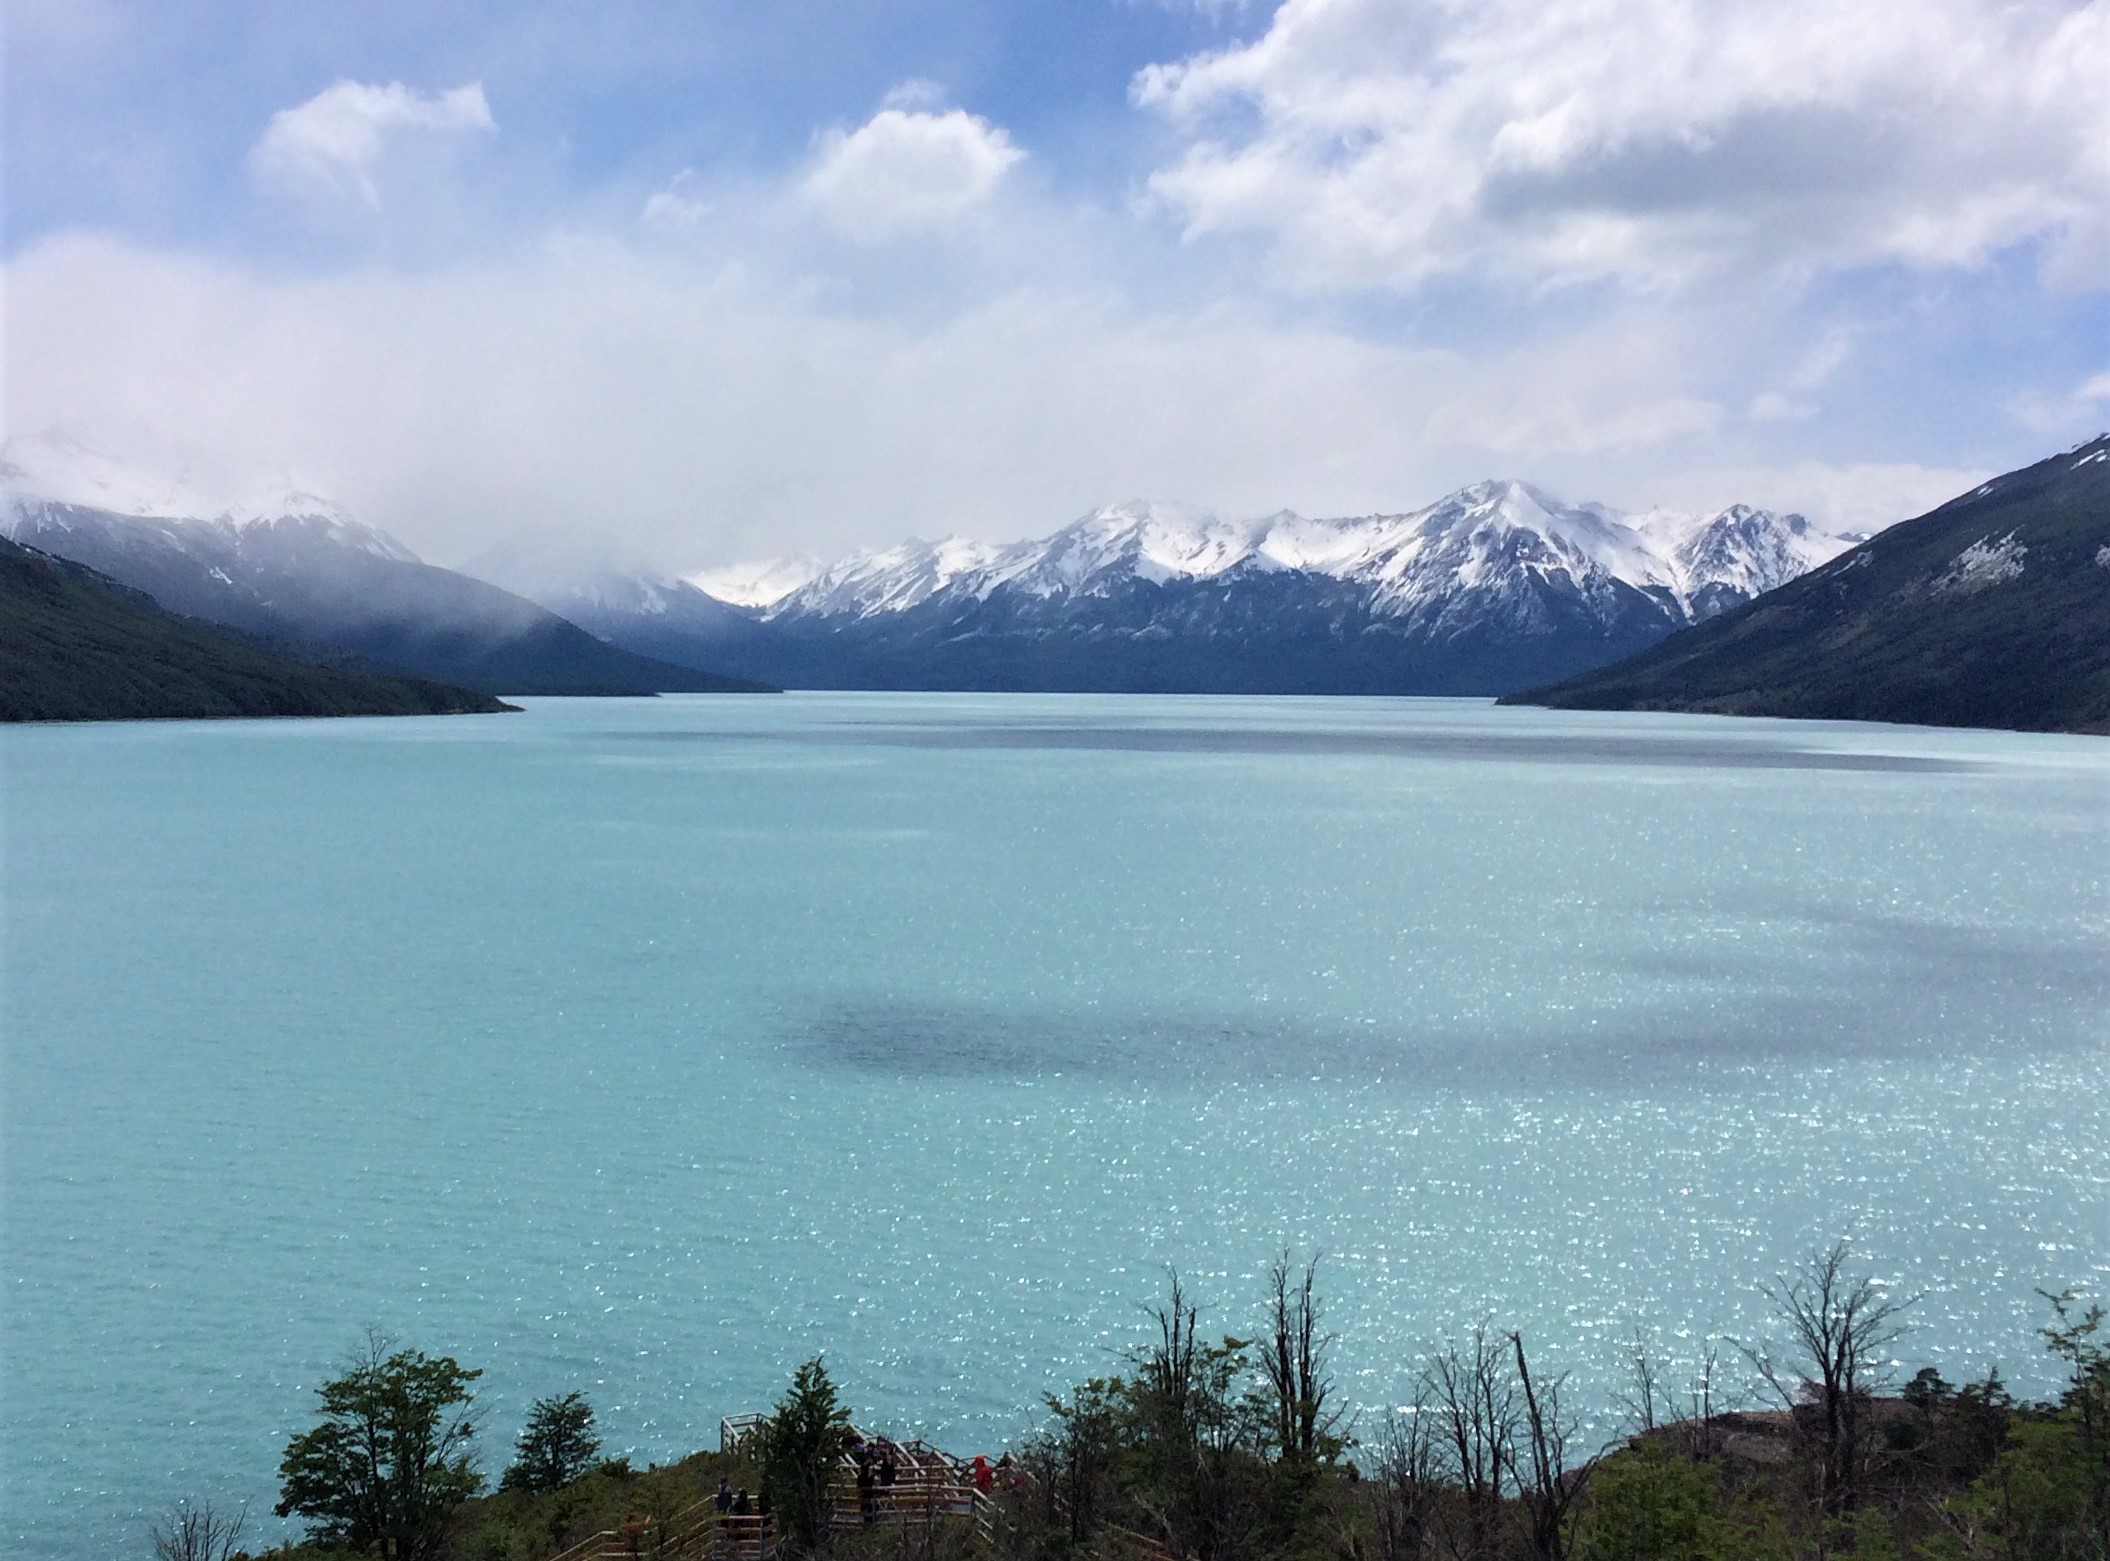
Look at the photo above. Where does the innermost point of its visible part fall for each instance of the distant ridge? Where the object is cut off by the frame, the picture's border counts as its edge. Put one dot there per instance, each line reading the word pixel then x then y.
pixel 1993 610
pixel 77 646
pixel 1495 587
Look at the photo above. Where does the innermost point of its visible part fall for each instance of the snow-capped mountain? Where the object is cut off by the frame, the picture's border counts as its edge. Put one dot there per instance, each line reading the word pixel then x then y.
pixel 1462 545
pixel 1991 610
pixel 1484 590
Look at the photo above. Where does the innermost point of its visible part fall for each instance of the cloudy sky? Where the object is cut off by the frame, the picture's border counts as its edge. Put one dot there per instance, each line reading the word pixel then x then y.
pixel 706 281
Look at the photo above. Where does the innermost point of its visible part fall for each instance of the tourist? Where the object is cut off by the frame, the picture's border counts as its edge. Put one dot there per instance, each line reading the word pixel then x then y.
pixel 984 1476
pixel 724 1498
pixel 742 1507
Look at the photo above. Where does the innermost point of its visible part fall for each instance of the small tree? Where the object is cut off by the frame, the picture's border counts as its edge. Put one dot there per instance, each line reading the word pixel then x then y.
pixel 1409 1484
pixel 392 1458
pixel 1472 1397
pixel 1191 1423
pixel 1548 1481
pixel 801 1447
pixel 2075 1338
pixel 1294 1362
pixel 1840 1330
pixel 1076 1456
pixel 557 1447
pixel 198 1532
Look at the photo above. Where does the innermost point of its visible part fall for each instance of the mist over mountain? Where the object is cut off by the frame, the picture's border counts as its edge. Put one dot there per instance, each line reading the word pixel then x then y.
pixel 76 645
pixel 297 569
pixel 1490 589
pixel 1992 610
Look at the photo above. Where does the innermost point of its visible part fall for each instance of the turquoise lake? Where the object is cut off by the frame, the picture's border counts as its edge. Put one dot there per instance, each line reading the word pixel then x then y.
pixel 647 1047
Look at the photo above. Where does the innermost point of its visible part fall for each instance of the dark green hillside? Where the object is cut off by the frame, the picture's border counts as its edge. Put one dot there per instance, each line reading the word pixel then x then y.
pixel 1993 610
pixel 77 646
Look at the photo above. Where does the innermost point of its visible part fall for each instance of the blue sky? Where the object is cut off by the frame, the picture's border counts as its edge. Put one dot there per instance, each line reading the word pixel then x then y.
pixel 704 281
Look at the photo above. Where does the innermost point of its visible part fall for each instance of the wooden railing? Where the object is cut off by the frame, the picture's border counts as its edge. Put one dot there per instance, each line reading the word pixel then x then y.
pixel 928 1484
pixel 735 1431
pixel 698 1531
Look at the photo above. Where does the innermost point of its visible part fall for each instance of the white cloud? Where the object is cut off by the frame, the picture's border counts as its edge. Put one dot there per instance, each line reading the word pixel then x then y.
pixel 907 169
pixel 2067 415
pixel 706 411
pixel 1383 142
pixel 916 93
pixel 328 148
pixel 679 204
pixel 1851 496
pixel 1775 406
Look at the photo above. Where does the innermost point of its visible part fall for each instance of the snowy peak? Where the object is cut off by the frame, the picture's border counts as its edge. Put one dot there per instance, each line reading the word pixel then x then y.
pixel 316 527
pixel 53 472
pixel 1501 535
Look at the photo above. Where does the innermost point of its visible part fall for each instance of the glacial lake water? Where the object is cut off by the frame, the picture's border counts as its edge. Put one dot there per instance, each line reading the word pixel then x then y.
pixel 647 1047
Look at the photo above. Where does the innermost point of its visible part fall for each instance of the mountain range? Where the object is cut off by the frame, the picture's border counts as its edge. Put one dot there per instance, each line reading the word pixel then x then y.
pixel 1992 610
pixel 299 571
pixel 1496 587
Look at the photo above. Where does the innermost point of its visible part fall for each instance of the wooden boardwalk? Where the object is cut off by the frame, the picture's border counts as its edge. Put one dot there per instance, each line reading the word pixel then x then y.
pixel 929 1486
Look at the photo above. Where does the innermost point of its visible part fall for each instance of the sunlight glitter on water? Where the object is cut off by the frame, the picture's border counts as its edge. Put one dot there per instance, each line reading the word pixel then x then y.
pixel 645 1047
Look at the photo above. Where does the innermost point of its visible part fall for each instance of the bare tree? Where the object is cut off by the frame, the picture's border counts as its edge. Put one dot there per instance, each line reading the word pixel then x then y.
pixel 1168 1371
pixel 1195 1425
pixel 1651 1404
pixel 1703 1437
pixel 1294 1363
pixel 1548 1485
pixel 1474 1398
pixel 198 1532
pixel 1408 1478
pixel 1644 1389
pixel 1840 1328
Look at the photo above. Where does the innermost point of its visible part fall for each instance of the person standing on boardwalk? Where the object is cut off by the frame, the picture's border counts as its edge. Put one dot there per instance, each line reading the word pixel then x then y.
pixel 724 1499
pixel 865 1502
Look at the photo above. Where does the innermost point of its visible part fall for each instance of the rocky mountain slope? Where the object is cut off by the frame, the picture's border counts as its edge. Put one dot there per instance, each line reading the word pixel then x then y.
pixel 78 646
pixel 1493 588
pixel 1993 610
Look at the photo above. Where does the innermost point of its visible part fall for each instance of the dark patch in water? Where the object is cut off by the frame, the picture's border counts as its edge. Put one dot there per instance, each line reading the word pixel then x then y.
pixel 1615 1048
pixel 1515 748
pixel 1921 961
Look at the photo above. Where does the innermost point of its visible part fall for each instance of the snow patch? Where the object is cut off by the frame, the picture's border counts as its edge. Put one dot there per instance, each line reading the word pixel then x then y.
pixel 757 583
pixel 1983 564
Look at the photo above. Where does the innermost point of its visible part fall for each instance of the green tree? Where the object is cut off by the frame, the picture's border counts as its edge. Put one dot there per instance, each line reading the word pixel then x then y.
pixel 801 1448
pixel 1648 1504
pixel 557 1447
pixel 2076 1338
pixel 392 1458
